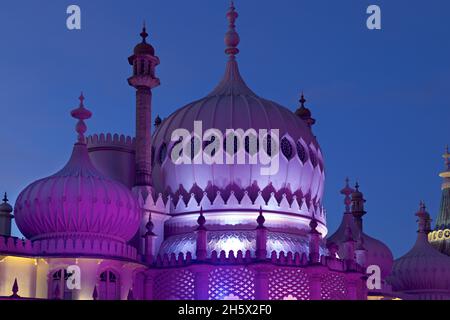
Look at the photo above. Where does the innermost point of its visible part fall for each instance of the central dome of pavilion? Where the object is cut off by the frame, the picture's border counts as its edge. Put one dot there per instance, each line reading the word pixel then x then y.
pixel 233 105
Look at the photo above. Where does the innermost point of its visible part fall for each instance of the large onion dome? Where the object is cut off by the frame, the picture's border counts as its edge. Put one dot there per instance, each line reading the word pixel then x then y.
pixel 78 201
pixel 233 105
pixel 423 272
pixel 234 122
pixel 377 253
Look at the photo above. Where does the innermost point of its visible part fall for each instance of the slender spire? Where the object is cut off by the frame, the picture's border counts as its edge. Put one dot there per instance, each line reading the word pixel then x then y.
pixel 81 113
pixel 424 221
pixel 232 37
pixel 347 191
pixel 144 33
pixel 5 198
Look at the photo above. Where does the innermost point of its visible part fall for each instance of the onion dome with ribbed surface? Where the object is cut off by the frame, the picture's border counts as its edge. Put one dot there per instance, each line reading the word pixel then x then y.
pixel 78 201
pixel 423 271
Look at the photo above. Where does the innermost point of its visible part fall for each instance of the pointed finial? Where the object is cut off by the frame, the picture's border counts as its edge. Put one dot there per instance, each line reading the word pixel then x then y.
pixel 95 293
pixel 260 220
pixel 5 198
pixel 302 100
pixel 15 289
pixel 232 37
pixel 130 295
pixel 157 121
pixel 201 221
pixel 357 186
pixel 149 226
pixel 424 220
pixel 347 191
pixel 81 113
pixel 144 33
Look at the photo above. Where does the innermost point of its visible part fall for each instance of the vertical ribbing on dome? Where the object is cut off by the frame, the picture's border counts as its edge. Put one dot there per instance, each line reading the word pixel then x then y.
pixel 232 82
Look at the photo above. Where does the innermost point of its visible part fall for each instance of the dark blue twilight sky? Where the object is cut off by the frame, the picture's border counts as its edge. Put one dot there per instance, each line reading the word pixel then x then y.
pixel 381 98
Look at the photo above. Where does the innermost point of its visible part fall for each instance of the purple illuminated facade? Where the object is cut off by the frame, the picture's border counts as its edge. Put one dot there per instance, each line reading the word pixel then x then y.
pixel 140 226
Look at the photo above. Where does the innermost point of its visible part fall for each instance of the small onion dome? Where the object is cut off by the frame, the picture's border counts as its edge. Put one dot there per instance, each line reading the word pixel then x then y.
pixel 5 207
pixel 144 47
pixel 304 113
pixel 423 270
pixel 78 201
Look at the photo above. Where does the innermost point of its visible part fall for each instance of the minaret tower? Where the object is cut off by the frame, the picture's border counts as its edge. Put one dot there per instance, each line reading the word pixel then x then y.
pixel 440 237
pixel 143 80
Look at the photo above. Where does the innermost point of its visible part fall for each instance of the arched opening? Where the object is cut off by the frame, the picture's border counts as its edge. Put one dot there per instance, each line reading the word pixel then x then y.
pixel 109 286
pixel 58 288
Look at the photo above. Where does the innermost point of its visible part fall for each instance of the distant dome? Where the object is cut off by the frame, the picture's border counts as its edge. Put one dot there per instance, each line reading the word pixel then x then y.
pixel 377 252
pixel 423 270
pixel 144 48
pixel 78 201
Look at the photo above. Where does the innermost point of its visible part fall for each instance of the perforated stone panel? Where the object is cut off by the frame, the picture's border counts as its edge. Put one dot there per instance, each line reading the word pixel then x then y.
pixel 174 285
pixel 231 282
pixel 333 287
pixel 288 284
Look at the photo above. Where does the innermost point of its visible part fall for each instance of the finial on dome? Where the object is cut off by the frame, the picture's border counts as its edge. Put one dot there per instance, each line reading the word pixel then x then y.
pixel 232 37
pixel 81 113
pixel 424 220
pixel 201 221
pixel 157 121
pixel 144 33
pixel 260 220
pixel 302 100
pixel 304 113
pixel 347 191
pixel 5 198
pixel 149 226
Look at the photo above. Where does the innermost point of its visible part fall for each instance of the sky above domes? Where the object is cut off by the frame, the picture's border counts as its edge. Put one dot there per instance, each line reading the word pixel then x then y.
pixel 380 98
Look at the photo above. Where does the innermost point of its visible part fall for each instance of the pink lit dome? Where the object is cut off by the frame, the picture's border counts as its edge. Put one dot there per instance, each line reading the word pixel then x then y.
pixel 78 201
pixel 233 105
pixel 423 271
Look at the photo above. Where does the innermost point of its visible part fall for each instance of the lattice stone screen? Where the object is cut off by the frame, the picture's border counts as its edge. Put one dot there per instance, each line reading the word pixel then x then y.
pixel 174 285
pixel 288 284
pixel 231 282
pixel 333 287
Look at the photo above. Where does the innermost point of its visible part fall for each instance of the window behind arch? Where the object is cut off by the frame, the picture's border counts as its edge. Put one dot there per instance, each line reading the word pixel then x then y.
pixel 109 287
pixel 58 285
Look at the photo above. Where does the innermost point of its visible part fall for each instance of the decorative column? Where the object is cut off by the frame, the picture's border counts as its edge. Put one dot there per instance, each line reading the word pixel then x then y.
pixel 358 207
pixel 143 80
pixel 314 242
pixel 315 286
pixel 261 237
pixel 262 274
pixel 149 238
pixel 148 285
pixel 201 282
pixel 202 237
